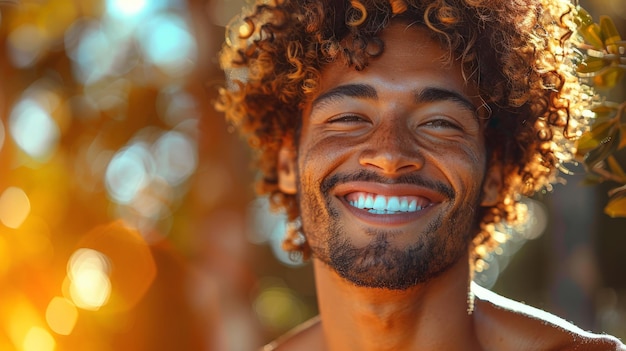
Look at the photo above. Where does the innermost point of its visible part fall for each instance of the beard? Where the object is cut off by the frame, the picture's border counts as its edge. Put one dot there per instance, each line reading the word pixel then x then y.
pixel 380 263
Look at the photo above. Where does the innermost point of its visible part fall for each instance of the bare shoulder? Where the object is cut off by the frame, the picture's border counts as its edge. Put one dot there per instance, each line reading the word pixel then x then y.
pixel 305 337
pixel 504 324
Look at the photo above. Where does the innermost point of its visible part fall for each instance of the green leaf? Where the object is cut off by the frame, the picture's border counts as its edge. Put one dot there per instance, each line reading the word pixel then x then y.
pixel 593 138
pixel 607 146
pixel 604 112
pixel 591 64
pixel 610 34
pixel 590 31
pixel 616 207
pixel 592 34
pixel 583 17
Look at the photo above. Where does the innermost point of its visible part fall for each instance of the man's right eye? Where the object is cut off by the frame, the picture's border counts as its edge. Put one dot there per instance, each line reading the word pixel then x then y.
pixel 347 119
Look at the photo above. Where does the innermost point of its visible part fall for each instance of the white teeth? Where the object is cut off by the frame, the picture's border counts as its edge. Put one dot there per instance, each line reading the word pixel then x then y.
pixel 379 204
pixel 393 204
pixel 369 202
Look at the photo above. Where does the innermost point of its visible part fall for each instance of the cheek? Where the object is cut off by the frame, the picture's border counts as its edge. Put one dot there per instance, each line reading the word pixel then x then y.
pixel 319 158
pixel 316 162
pixel 464 167
pixel 465 151
pixel 312 169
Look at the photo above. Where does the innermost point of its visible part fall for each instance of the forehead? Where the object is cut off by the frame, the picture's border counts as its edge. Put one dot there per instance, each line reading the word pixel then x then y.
pixel 412 59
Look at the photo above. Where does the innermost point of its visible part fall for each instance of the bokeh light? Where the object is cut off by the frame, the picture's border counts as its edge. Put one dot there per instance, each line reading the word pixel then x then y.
pixel 277 306
pixel 19 316
pixel 61 315
pixel 511 239
pixel 128 172
pixel 14 207
pixel 269 227
pixel 88 271
pixel 168 43
pixel 25 44
pixel 94 51
pixel 33 129
pixel 98 146
pixel 143 176
pixel 175 157
pixel 38 339
pixel 125 8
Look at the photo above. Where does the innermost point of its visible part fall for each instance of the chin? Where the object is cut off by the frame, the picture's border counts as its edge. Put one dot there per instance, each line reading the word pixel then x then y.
pixel 381 265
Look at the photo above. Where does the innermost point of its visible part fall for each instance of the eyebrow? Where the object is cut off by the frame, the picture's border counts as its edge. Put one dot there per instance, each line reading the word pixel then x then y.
pixel 365 91
pixel 439 94
pixel 359 91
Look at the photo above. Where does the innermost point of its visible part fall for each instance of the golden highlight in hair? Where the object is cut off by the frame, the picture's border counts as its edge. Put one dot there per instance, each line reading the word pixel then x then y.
pixel 516 52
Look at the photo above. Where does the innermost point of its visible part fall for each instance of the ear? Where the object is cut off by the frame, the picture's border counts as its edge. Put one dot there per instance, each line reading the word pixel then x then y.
pixel 492 185
pixel 287 168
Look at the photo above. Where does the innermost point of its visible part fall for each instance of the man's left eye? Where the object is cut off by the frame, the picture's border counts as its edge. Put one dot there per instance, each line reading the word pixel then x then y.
pixel 441 123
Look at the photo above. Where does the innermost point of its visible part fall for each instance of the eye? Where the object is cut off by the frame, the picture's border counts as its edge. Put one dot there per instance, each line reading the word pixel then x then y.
pixel 348 118
pixel 442 123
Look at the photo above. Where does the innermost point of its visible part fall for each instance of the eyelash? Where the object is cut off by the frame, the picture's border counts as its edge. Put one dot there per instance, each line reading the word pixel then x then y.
pixel 347 119
pixel 442 123
pixel 435 123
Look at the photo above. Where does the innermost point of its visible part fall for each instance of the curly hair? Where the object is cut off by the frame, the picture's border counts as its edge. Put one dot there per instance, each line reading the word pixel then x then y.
pixel 518 52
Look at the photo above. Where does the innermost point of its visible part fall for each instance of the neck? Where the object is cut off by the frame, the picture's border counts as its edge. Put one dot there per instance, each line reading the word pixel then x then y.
pixel 429 316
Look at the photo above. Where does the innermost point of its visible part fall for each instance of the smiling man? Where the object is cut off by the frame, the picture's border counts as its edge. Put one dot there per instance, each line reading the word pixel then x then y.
pixel 390 161
pixel 397 136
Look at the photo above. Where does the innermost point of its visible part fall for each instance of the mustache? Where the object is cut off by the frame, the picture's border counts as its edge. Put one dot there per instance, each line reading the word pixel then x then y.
pixel 369 176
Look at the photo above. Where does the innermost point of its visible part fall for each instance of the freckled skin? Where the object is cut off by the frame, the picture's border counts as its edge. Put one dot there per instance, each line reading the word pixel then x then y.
pixel 403 126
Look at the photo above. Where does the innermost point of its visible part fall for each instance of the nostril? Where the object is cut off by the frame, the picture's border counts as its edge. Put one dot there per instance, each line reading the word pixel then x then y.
pixel 391 162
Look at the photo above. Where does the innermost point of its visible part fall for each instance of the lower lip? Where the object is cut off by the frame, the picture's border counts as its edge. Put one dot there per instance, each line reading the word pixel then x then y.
pixel 396 219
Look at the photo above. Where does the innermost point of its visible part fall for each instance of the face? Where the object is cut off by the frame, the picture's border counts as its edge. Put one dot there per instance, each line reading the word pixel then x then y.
pixel 391 165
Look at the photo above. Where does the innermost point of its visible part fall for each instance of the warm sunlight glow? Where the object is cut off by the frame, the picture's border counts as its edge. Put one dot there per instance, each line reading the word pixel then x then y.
pixel 90 286
pixel 61 315
pixel 5 258
pixel 14 207
pixel 18 317
pixel 38 339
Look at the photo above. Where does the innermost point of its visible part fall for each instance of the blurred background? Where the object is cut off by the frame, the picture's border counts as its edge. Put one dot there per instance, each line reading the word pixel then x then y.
pixel 127 216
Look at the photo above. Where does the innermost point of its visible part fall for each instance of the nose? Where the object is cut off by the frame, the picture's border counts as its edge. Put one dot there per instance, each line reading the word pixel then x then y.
pixel 392 152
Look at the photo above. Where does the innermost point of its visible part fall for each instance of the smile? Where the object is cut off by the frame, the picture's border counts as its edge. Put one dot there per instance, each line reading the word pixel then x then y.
pixel 381 204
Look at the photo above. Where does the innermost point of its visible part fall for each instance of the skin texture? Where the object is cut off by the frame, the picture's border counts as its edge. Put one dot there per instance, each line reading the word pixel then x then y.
pixel 404 126
pixel 391 139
